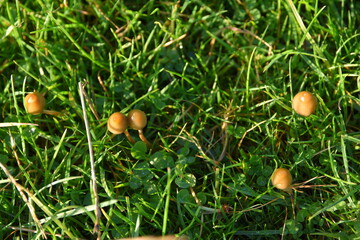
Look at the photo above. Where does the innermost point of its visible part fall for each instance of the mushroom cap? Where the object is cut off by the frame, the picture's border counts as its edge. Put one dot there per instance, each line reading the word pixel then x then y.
pixel 117 123
pixel 34 103
pixel 281 179
pixel 304 103
pixel 137 119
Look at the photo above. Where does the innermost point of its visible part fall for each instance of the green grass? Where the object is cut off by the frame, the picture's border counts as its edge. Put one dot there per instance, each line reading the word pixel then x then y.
pixel 216 79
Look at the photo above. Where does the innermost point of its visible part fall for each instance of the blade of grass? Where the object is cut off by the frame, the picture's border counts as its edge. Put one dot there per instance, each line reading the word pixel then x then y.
pixel 345 159
pixel 303 28
pixel 333 165
pixel 92 165
pixel 334 203
pixel 79 210
pixel 57 149
pixel 247 83
pixel 167 201
pixel 57 182
pixel 285 54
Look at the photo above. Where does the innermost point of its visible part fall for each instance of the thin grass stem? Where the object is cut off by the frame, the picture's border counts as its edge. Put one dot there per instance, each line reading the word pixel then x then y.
pixel 92 165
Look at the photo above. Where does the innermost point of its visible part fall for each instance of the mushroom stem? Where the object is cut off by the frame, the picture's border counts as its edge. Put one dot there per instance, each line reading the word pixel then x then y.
pixel 143 138
pixel 289 190
pixel 51 112
pixel 127 134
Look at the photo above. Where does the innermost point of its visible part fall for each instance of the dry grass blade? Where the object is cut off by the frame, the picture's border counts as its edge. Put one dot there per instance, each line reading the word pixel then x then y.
pixel 244 31
pixel 92 165
pixel 91 105
pixel 224 131
pixel 175 40
pixel 14 124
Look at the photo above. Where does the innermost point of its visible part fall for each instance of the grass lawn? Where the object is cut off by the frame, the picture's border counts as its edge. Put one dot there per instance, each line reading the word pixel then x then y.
pixel 216 81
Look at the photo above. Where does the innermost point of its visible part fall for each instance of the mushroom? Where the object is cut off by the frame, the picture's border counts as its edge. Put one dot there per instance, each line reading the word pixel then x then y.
pixel 304 103
pixel 137 121
pixel 34 103
pixel 282 179
pixel 118 124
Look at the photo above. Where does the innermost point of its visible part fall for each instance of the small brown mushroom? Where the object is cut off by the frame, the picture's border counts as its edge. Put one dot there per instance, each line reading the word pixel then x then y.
pixel 282 179
pixel 34 103
pixel 304 103
pixel 137 120
pixel 118 124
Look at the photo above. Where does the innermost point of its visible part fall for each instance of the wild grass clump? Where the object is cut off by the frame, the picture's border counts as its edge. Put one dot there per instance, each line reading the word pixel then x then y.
pixel 216 82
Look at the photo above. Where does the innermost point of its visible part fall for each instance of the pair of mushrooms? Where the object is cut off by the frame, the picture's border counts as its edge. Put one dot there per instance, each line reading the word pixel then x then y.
pixel 304 104
pixel 136 119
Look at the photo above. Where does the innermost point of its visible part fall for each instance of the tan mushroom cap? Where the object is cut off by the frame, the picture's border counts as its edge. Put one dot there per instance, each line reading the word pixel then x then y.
pixel 117 123
pixel 34 103
pixel 137 119
pixel 281 179
pixel 304 103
